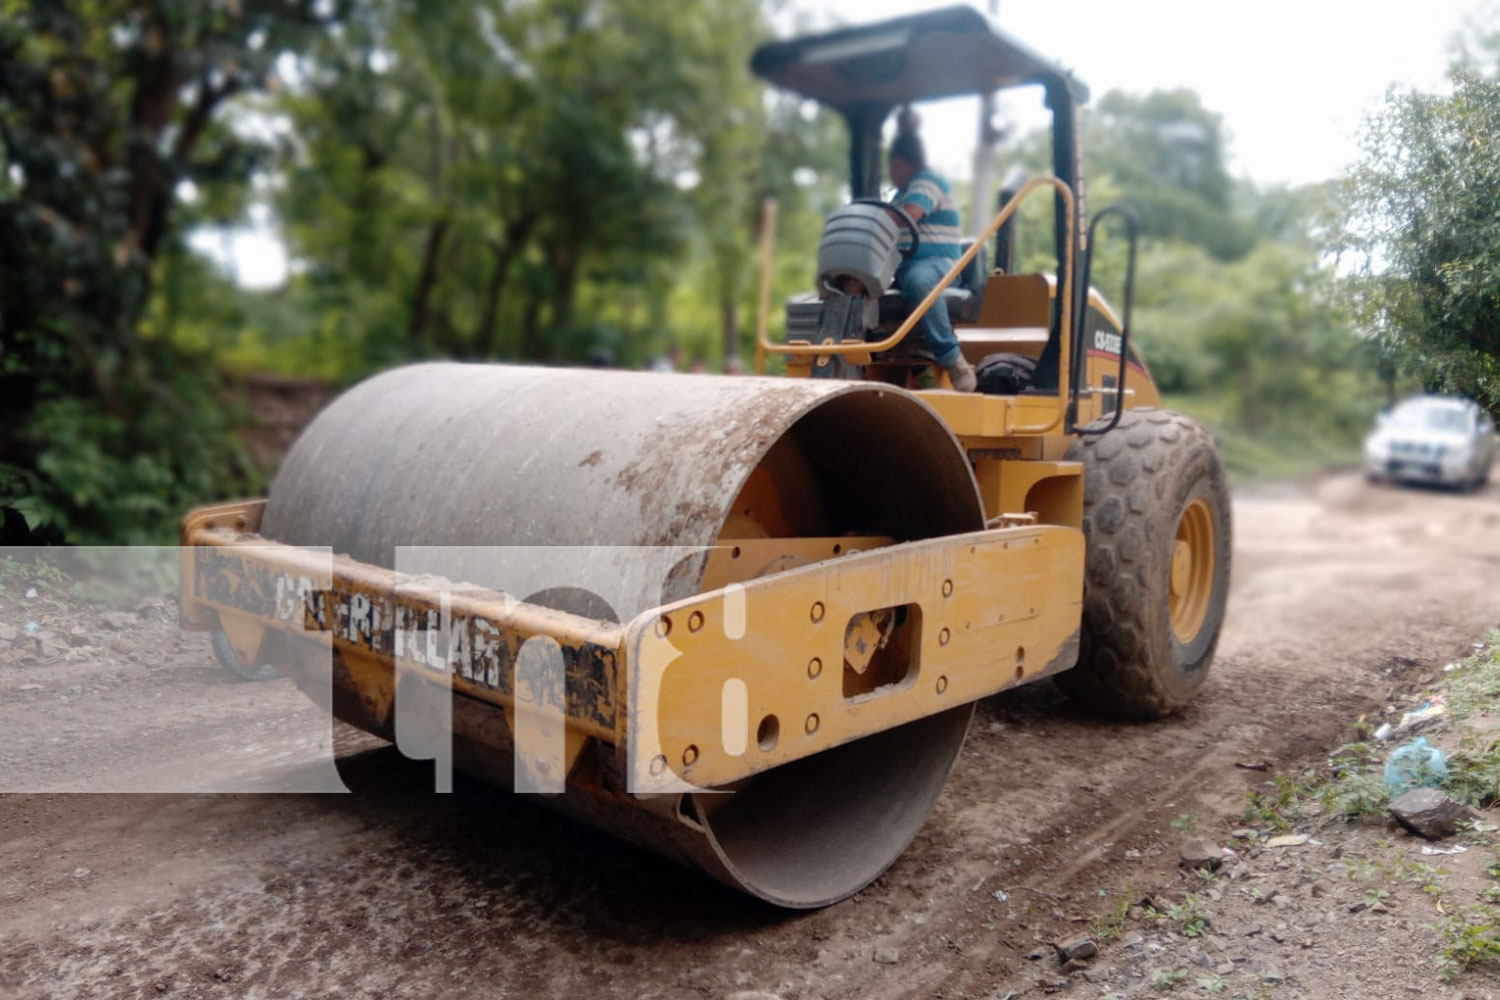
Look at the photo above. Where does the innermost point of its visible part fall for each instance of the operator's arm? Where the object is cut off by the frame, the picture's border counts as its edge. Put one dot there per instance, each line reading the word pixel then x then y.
pixel 921 197
pixel 913 210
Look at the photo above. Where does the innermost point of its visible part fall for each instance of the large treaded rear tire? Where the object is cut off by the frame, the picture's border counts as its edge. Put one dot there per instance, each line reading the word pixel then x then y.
pixel 1152 485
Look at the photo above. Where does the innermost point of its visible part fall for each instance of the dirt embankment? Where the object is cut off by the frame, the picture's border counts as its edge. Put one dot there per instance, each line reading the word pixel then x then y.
pixel 275 408
pixel 1343 594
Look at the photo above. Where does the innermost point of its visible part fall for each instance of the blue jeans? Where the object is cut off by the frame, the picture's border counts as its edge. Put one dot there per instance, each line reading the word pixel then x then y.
pixel 915 279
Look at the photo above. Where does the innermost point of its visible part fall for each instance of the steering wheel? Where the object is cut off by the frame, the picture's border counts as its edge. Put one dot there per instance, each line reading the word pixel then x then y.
pixel 902 219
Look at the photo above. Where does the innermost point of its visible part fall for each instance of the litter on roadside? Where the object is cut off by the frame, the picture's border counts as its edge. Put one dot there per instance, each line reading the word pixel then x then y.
pixel 1430 711
pixel 1415 765
pixel 1432 708
pixel 1288 840
pixel 1455 849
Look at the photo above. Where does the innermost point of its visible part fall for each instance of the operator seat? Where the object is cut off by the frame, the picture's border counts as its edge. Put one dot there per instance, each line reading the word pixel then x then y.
pixel 963 298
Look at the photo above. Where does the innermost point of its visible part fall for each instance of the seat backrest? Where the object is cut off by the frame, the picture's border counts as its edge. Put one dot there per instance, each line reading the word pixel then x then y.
pixel 974 275
pixel 1016 300
pixel 965 308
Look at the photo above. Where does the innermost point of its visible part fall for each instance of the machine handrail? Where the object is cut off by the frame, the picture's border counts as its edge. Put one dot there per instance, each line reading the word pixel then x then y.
pixel 1009 209
pixel 1133 234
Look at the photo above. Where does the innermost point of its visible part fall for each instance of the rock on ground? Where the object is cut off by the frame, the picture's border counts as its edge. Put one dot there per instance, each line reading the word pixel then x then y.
pixel 1429 813
pixel 1200 853
pixel 1076 949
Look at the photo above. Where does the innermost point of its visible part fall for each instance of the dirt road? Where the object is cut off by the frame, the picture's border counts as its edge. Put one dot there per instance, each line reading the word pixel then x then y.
pixel 1341 591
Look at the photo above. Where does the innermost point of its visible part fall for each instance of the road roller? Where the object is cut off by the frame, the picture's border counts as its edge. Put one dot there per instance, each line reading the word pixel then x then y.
pixel 744 621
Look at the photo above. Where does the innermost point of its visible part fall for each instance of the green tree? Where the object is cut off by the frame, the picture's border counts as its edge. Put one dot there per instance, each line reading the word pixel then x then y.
pixel 107 108
pixel 1237 306
pixel 1426 223
pixel 1164 153
pixel 493 179
pixel 1167 153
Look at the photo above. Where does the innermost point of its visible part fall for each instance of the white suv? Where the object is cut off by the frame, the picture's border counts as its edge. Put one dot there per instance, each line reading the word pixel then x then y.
pixel 1433 439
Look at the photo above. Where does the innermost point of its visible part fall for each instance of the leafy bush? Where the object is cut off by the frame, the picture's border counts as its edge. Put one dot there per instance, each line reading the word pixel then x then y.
pixel 107 477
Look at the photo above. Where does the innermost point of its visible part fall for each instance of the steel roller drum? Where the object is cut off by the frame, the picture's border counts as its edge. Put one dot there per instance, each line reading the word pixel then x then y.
pixel 460 455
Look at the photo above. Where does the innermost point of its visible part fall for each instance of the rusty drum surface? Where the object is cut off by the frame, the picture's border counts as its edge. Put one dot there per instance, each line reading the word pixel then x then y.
pixel 471 457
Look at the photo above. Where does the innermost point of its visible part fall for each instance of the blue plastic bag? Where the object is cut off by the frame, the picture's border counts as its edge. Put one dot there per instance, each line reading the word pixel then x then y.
pixel 1415 765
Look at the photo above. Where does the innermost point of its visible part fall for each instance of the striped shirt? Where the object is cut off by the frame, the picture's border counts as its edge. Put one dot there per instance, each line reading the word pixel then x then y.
pixel 939 228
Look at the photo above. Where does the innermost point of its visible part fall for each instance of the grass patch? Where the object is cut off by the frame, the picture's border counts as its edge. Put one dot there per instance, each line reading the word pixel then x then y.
pixel 1281 456
pixel 1111 924
pixel 1470 938
pixel 1186 824
pixel 21 568
pixel 1212 985
pixel 1276 453
pixel 1191 916
pixel 1475 686
pixel 115 576
pixel 1166 979
pixel 1474 689
pixel 1281 807
pixel 1474 776
pixel 1357 788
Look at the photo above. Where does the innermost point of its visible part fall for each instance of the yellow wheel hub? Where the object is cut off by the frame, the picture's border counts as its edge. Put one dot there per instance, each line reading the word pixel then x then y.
pixel 1192 570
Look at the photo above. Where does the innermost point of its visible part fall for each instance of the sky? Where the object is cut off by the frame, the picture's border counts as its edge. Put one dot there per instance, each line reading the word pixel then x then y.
pixel 1292 78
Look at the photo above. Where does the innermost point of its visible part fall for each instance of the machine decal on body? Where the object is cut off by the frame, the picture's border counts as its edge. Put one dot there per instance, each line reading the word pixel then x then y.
pixel 423 626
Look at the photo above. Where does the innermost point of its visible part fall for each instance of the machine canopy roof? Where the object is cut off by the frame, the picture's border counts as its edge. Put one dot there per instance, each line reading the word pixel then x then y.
pixel 941 53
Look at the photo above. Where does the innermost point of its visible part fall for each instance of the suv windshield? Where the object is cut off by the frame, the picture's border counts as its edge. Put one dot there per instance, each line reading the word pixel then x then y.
pixel 1430 418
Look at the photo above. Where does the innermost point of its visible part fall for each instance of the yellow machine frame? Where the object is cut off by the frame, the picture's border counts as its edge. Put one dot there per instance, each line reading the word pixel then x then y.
pixel 666 673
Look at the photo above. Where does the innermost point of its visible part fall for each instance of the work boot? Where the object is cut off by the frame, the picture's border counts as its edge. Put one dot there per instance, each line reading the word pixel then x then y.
pixel 961 374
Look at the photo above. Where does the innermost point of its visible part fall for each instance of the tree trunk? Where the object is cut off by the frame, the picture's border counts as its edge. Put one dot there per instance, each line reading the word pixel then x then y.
pixel 729 318
pixel 530 349
pixel 516 234
pixel 432 255
pixel 422 300
pixel 156 86
pixel 484 333
pixel 565 286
